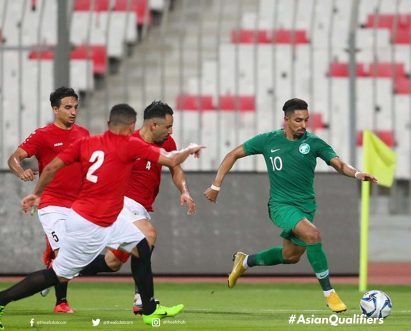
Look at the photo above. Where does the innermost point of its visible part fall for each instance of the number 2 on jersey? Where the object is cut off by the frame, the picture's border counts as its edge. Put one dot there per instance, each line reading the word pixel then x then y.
pixel 98 158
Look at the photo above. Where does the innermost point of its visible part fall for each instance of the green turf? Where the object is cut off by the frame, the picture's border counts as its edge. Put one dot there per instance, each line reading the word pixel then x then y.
pixel 208 307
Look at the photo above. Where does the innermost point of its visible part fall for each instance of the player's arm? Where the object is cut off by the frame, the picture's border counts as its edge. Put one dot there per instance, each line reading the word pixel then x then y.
pixel 33 199
pixel 237 153
pixel 179 180
pixel 347 170
pixel 15 166
pixel 174 158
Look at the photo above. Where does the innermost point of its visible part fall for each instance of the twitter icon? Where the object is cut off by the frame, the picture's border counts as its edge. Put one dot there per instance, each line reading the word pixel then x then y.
pixel 95 322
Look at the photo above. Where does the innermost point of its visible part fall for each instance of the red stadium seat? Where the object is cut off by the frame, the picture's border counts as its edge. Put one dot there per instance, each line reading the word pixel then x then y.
pixel 402 86
pixel 341 70
pixel 290 37
pixel 140 7
pixel 316 121
pixel 41 55
pixel 386 136
pixel 194 102
pixel 86 5
pixel 242 103
pixel 388 70
pixel 97 53
pixel 401 36
pixel 388 21
pixel 246 36
pixel 249 36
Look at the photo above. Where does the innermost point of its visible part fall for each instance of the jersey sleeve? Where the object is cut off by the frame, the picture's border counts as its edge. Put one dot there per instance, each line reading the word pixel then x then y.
pixel 32 144
pixel 72 153
pixel 140 149
pixel 325 151
pixel 255 145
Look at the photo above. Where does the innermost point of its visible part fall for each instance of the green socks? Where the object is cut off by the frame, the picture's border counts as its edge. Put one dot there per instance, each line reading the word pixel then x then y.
pixel 318 260
pixel 271 256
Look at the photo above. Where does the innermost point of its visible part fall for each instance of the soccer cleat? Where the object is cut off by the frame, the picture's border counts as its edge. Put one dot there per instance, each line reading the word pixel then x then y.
pixel 63 308
pixel 238 268
pixel 160 313
pixel 1 315
pixel 138 304
pixel 45 292
pixel 335 303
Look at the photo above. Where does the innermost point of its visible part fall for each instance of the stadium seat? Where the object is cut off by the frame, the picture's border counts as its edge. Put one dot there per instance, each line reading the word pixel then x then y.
pixel 231 102
pixel 388 21
pixel 283 36
pixel 316 121
pixel 401 36
pixel 140 7
pixel 194 102
pixel 386 136
pixel 387 70
pixel 337 69
pixel 290 37
pixel 97 53
pixel 402 86
pixel 86 5
pixel 248 36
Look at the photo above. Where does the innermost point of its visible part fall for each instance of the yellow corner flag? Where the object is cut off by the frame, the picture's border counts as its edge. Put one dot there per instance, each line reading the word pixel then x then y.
pixel 380 161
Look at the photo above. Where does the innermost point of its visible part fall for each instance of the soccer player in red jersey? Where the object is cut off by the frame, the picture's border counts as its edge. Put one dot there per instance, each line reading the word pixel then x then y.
pixel 44 144
pixel 143 187
pixel 106 162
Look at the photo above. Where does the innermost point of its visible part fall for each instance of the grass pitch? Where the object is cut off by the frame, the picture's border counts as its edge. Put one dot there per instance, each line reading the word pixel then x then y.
pixel 207 307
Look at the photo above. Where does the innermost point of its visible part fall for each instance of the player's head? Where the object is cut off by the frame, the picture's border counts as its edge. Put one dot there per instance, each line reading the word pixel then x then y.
pixel 158 120
pixel 122 119
pixel 64 102
pixel 295 117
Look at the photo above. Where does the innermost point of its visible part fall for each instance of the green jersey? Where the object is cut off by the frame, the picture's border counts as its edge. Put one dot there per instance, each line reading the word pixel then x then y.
pixel 291 165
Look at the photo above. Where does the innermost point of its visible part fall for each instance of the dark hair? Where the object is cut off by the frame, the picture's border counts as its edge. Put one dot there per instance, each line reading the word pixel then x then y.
pixel 60 93
pixel 157 109
pixel 122 114
pixel 294 104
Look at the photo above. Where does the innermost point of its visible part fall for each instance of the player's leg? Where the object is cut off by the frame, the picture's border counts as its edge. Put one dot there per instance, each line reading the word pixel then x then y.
pixel 129 238
pixel 150 233
pixel 111 261
pixel 308 232
pixel 52 219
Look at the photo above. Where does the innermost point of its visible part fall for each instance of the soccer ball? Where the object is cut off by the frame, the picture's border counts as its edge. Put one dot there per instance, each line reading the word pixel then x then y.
pixel 376 304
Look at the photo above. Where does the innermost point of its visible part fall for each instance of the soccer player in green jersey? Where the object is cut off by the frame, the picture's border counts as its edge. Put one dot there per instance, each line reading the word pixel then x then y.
pixel 290 155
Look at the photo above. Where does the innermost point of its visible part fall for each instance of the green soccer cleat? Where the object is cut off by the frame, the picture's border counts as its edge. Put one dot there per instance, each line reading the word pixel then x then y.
pixel 238 268
pixel 162 312
pixel 335 303
pixel 1 315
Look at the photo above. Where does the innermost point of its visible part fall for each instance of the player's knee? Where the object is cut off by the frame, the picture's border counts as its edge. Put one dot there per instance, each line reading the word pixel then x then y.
pixel 113 262
pixel 313 237
pixel 151 236
pixel 292 259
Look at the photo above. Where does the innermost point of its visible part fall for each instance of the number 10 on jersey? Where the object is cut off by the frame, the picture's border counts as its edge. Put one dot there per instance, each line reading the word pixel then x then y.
pixel 277 163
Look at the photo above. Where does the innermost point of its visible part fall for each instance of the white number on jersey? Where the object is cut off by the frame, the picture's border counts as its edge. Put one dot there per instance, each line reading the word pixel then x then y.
pixel 148 165
pixel 277 163
pixel 97 157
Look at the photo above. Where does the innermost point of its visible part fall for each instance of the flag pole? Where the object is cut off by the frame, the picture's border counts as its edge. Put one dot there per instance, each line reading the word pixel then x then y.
pixel 365 210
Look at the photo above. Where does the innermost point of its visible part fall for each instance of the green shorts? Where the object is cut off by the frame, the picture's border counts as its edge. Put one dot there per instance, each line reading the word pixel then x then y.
pixel 286 218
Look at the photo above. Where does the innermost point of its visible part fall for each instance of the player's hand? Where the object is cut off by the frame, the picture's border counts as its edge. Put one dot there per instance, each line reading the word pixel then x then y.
pixel 28 175
pixel 186 199
pixel 211 194
pixel 363 176
pixel 195 149
pixel 29 202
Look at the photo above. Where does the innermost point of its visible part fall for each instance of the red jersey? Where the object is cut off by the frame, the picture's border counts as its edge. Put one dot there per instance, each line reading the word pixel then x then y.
pixel 45 143
pixel 144 183
pixel 106 162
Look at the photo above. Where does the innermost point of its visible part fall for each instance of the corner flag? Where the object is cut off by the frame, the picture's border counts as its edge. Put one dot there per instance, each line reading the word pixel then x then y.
pixel 380 161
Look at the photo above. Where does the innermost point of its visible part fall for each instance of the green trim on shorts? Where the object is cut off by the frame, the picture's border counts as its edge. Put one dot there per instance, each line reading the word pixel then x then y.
pixel 286 217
